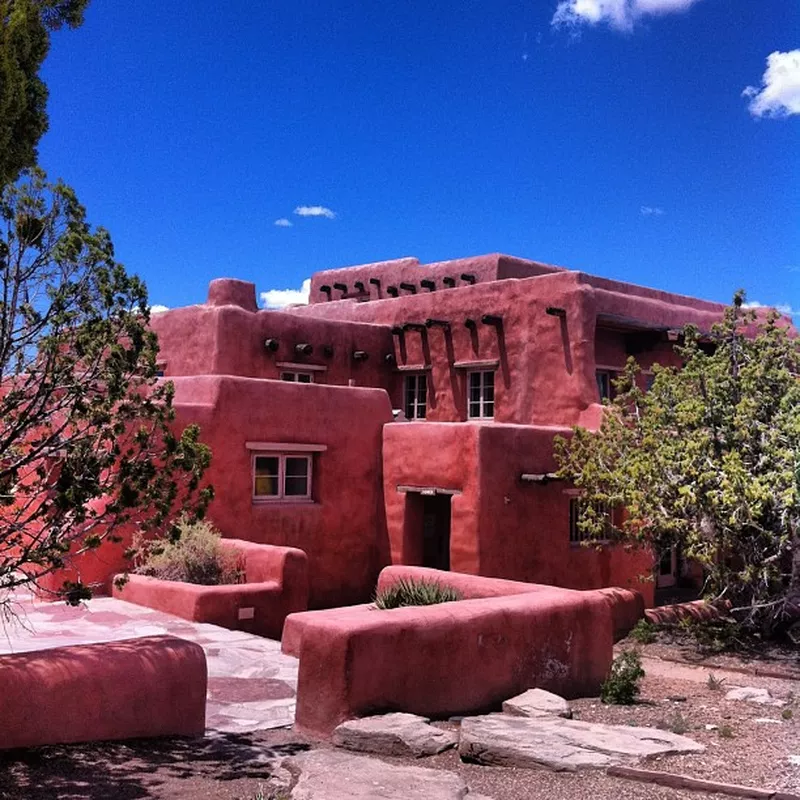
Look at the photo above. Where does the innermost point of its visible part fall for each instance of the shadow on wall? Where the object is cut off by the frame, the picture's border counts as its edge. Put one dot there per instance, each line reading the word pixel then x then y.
pixel 145 768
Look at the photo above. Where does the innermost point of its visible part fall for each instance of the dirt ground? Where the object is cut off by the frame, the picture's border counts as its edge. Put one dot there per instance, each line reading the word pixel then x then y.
pixel 746 744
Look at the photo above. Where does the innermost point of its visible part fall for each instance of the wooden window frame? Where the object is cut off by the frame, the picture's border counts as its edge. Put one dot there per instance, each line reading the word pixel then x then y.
pixel 281 496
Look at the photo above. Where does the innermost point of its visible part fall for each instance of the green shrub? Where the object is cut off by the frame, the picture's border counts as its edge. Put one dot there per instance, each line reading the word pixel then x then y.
pixel 643 632
pixel 410 592
pixel 621 687
pixel 197 555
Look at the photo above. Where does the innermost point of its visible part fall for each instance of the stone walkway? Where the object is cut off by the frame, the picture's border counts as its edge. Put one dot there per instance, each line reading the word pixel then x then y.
pixel 251 684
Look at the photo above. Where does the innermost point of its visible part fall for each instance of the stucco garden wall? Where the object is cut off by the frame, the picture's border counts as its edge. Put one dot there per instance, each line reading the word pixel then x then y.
pixel 152 686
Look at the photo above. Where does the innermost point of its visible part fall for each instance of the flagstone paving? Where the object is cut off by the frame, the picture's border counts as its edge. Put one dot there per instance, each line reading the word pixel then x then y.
pixel 251 684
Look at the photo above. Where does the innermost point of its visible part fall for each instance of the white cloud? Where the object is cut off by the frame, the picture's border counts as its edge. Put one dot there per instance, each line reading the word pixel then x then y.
pixel 280 298
pixel 651 211
pixel 620 14
pixel 779 93
pixel 781 308
pixel 158 309
pixel 283 223
pixel 315 211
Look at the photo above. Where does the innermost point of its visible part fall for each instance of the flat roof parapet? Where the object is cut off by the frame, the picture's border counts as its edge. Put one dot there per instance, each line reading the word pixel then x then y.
pixel 232 292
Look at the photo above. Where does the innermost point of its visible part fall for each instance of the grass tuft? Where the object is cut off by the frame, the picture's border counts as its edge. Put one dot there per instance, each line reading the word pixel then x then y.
pixel 410 592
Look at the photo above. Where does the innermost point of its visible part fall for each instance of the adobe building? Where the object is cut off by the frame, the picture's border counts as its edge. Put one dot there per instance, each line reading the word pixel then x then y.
pixel 407 415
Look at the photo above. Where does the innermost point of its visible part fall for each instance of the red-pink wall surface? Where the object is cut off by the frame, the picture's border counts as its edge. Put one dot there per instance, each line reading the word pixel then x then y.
pixel 151 686
pixel 452 658
pixel 230 340
pixel 276 585
pixel 546 362
pixel 500 526
pixel 342 529
pixel 358 281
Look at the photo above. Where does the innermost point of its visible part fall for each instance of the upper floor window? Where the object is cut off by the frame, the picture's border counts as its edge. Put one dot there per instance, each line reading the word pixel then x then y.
pixel 281 476
pixel 297 377
pixel 605 384
pixel 576 534
pixel 480 394
pixel 415 394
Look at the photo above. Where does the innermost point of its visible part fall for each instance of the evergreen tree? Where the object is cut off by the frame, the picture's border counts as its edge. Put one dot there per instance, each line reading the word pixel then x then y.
pixel 708 459
pixel 25 28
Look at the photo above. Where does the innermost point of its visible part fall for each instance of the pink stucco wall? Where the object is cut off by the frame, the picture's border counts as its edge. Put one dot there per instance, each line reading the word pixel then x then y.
pixel 342 529
pixel 276 585
pixel 500 526
pixel 451 658
pixel 151 686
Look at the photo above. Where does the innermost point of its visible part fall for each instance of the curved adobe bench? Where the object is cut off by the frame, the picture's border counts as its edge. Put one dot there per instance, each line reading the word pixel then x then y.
pixel 452 658
pixel 152 686
pixel 276 584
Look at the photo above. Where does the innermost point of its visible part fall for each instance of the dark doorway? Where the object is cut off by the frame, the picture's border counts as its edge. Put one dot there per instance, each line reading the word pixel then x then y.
pixel 436 531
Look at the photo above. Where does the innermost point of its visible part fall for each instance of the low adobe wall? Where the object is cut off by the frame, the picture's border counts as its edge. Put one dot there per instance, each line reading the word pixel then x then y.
pixel 152 686
pixel 276 585
pixel 451 658
pixel 627 605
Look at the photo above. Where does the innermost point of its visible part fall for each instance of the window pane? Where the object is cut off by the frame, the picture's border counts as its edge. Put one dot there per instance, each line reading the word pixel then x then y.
pixel 296 481
pixel 296 487
pixel 488 381
pixel 288 376
pixel 488 409
pixel 266 476
pixel 474 391
pixel 474 409
pixel 304 377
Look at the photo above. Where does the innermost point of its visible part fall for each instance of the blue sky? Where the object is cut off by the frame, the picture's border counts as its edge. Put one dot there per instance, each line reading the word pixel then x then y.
pixel 611 136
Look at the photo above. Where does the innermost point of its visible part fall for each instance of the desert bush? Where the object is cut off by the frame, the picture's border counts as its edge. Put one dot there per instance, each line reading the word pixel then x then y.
pixel 714 683
pixel 677 723
pixel 643 632
pixel 621 687
pixel 410 592
pixel 195 555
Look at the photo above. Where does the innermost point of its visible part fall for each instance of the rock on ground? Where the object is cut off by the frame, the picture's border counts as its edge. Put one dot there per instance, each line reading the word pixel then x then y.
pixel 394 735
pixel 563 744
pixel 332 775
pixel 536 702
pixel 751 694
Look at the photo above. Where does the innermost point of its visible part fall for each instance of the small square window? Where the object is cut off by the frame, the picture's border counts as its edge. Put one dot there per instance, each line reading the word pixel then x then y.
pixel 576 535
pixel 279 476
pixel 415 389
pixel 297 377
pixel 480 394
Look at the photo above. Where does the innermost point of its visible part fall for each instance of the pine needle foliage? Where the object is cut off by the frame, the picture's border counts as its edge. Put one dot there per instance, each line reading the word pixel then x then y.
pixel 709 459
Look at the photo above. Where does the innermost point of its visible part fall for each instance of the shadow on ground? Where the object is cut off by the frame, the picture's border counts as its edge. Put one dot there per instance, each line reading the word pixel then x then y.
pixel 144 768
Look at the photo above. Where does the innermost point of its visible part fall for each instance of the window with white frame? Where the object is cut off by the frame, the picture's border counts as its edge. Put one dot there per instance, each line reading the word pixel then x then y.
pixel 415 393
pixel 480 394
pixel 281 476
pixel 295 376
pixel 576 534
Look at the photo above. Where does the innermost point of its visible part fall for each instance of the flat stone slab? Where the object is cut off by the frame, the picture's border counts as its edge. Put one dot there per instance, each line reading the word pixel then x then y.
pixel 751 694
pixel 394 735
pixel 563 744
pixel 333 775
pixel 535 703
